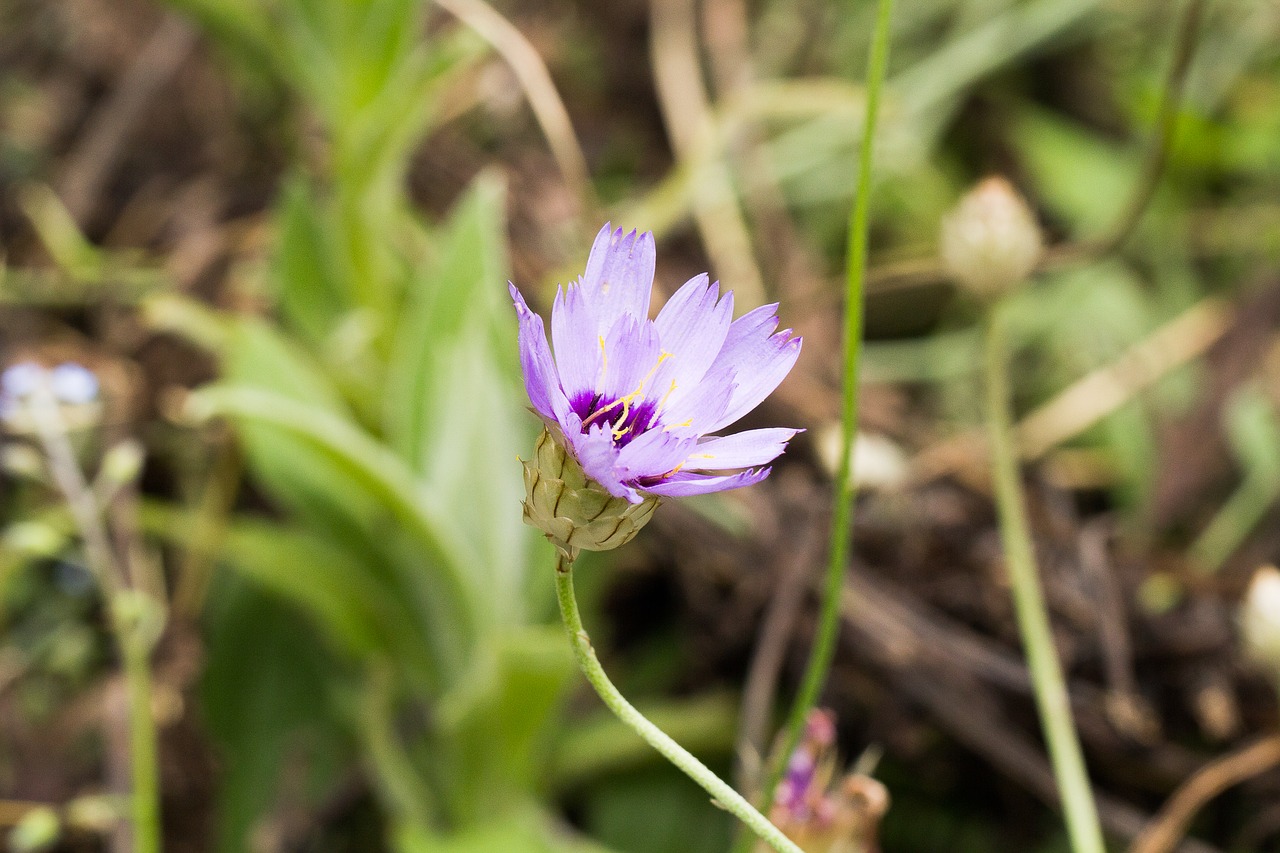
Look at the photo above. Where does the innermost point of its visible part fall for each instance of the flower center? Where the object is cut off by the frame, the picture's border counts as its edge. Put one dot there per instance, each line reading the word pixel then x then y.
pixel 627 416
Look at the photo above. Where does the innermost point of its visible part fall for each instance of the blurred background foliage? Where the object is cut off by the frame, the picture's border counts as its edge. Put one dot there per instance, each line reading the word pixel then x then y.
pixel 280 232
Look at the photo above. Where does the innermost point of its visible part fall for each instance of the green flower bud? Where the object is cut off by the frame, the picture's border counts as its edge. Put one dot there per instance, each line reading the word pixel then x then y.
pixel 574 512
pixel 991 242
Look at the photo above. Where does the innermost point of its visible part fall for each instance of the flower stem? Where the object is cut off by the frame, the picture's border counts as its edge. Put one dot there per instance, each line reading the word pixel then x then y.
pixel 131 635
pixel 824 642
pixel 1033 619
pixel 143 754
pixel 720 791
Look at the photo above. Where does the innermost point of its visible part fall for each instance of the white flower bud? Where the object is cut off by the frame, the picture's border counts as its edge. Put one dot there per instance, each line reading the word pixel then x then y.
pixel 576 513
pixel 991 242
pixel 1260 618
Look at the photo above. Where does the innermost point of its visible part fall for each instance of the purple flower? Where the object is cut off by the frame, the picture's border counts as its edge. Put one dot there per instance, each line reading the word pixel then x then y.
pixel 634 400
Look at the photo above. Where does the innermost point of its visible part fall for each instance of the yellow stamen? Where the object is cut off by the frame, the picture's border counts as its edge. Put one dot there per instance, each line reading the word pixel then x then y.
pixel 600 412
pixel 627 400
pixel 662 403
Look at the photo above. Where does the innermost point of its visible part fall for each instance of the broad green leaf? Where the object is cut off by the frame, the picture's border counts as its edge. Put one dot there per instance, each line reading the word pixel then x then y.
pixel 601 745
pixel 466 276
pixel 264 702
pixel 528 831
pixel 454 400
pixel 677 815
pixel 357 466
pixel 358 613
pixel 1083 179
pixel 305 268
pixel 301 478
pixel 498 735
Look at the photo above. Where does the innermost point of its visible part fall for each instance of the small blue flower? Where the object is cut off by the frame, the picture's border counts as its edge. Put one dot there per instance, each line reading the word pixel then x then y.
pixel 19 380
pixel 71 384
pixel 634 400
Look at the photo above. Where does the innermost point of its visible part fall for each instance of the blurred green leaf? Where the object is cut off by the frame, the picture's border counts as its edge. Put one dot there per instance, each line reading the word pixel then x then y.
pixel 312 293
pixel 265 701
pixel 463 283
pixel 675 815
pixel 1254 433
pixel 454 403
pixel 595 746
pixel 358 613
pixel 1080 177
pixel 529 831
pixel 303 478
pixel 361 473
pixel 498 733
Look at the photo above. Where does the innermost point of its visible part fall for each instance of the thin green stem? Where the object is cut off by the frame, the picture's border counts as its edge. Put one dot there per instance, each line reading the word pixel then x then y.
pixel 1233 522
pixel 1033 620
pixel 144 763
pixel 129 624
pixel 824 643
pixel 720 791
pixel 1166 124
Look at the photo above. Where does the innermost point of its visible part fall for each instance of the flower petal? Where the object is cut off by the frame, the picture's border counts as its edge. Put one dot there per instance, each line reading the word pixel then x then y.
pixel 631 352
pixel 654 453
pixel 541 382
pixel 579 349
pixel 619 276
pixel 698 409
pixel 596 453
pixel 684 484
pixel 692 325
pixel 755 360
pixel 740 450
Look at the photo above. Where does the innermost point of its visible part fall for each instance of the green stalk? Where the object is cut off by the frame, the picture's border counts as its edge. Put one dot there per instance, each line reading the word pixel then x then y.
pixel 1233 522
pixel 824 642
pixel 143 754
pixel 128 617
pixel 721 792
pixel 1050 688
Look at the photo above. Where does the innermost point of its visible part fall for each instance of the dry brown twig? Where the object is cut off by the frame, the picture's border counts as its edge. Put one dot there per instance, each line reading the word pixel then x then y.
pixel 91 161
pixel 1094 396
pixel 1165 831
pixel 686 109
pixel 776 631
pixel 540 90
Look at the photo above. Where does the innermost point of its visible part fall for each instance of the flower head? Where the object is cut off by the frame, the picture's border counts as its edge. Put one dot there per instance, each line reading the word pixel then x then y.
pixel 991 242
pixel 69 384
pixel 635 401
pixel 817 810
pixel 1260 617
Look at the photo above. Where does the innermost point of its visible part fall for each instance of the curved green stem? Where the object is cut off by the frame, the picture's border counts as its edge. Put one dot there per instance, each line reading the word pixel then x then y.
pixel 824 643
pixel 720 791
pixel 1047 680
